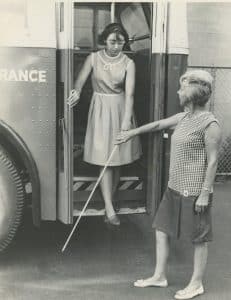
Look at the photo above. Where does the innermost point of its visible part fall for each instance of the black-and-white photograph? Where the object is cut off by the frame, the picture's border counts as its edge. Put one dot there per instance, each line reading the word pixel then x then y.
pixel 115 150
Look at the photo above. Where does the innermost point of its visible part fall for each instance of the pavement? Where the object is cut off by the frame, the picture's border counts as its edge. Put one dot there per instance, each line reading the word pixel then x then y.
pixel 101 263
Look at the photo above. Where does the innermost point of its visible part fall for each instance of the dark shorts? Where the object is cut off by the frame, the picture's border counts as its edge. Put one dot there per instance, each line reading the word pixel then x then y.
pixel 176 217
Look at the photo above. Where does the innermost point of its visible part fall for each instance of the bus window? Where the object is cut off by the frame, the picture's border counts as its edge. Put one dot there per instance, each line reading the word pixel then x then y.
pixel 136 19
pixel 89 20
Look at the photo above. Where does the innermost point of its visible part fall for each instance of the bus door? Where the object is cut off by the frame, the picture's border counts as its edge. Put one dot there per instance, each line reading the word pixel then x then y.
pixel 158 46
pixel 89 20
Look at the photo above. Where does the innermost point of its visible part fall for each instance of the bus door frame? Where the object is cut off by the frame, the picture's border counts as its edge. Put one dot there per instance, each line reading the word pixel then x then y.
pixel 65 205
pixel 157 104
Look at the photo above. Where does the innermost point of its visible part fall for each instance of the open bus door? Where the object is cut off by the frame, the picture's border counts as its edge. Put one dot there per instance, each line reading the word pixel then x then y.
pixel 157 74
pixel 89 20
pixel 79 24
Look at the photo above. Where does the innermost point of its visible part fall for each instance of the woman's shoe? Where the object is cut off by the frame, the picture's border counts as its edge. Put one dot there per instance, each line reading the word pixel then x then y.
pixel 189 293
pixel 113 220
pixel 142 283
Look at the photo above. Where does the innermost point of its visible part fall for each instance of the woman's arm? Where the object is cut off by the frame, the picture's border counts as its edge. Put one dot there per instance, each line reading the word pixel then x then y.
pixel 80 81
pixel 167 123
pixel 212 144
pixel 129 95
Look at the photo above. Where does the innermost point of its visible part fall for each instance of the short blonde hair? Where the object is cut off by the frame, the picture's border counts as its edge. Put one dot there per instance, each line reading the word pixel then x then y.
pixel 200 85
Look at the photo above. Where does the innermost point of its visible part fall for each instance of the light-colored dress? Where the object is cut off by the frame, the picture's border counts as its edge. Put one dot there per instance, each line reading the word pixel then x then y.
pixel 106 112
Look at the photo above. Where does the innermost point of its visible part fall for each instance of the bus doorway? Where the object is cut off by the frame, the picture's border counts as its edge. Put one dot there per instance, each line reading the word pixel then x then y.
pixel 89 21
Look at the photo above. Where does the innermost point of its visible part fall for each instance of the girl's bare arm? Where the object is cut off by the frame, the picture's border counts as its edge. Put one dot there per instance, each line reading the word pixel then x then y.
pixel 129 96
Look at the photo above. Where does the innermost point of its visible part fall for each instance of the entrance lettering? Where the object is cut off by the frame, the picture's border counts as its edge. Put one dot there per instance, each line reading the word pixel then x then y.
pixel 23 75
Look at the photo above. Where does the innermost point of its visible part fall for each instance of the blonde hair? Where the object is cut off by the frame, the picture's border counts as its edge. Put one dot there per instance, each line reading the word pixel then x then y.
pixel 200 86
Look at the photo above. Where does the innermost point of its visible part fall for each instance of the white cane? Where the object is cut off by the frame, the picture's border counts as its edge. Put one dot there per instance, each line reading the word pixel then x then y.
pixel 90 196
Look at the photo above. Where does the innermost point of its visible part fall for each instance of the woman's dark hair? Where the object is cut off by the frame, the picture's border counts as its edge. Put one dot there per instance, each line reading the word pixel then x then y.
pixel 116 28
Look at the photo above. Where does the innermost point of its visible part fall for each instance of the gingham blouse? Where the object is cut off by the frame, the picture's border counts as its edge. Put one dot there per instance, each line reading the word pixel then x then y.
pixel 188 160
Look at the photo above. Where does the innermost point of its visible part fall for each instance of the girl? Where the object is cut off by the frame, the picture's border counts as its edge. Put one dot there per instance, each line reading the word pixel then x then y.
pixel 111 110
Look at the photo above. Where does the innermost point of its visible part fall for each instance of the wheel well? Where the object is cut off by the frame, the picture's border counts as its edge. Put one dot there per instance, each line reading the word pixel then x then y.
pixel 23 159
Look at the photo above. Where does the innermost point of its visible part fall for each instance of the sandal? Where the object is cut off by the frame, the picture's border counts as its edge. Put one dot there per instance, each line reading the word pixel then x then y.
pixel 113 220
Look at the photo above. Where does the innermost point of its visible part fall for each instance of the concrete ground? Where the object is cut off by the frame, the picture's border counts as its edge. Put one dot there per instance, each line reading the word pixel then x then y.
pixel 101 263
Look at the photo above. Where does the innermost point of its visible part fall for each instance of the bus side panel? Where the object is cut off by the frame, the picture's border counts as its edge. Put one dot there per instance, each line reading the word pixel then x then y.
pixel 28 105
pixel 155 148
pixel 164 103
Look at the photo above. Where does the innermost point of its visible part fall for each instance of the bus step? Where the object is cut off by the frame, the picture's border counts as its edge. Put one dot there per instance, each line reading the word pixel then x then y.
pixel 101 212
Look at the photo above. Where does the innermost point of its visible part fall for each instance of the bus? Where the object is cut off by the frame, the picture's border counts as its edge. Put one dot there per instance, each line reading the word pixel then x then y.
pixel 42 137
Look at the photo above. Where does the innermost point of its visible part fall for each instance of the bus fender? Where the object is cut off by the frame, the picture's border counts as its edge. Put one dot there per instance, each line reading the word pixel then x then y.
pixel 11 140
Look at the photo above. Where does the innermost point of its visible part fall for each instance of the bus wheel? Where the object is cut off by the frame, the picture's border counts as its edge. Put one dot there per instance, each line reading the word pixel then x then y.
pixel 12 197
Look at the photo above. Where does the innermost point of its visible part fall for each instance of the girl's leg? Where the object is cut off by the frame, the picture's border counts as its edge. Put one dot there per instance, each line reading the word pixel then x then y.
pixel 162 253
pixel 116 179
pixel 106 185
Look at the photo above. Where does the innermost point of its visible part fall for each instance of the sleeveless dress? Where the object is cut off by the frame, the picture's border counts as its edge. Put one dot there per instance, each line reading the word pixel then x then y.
pixel 188 164
pixel 188 158
pixel 106 112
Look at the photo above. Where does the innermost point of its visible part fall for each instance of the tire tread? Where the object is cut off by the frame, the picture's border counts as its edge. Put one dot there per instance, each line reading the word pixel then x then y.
pixel 5 159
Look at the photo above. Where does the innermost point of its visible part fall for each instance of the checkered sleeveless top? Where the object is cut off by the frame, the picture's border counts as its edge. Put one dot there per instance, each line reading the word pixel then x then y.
pixel 188 160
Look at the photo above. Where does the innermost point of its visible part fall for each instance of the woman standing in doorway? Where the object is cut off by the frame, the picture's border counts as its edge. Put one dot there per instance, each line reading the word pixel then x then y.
pixel 111 110
pixel 185 209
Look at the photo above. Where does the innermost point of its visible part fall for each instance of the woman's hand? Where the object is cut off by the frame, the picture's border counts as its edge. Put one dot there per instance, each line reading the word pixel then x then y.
pixel 73 98
pixel 126 125
pixel 202 203
pixel 124 136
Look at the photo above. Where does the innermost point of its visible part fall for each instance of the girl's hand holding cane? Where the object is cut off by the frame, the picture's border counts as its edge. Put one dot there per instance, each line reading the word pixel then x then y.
pixel 124 136
pixel 73 98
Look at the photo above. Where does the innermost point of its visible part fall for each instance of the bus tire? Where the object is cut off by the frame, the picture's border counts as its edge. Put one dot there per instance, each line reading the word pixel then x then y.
pixel 12 199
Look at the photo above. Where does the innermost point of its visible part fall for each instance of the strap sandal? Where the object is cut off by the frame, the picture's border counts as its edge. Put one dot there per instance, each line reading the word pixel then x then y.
pixel 113 220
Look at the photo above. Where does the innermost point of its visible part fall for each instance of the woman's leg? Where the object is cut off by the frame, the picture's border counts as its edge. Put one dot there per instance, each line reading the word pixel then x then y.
pixel 200 261
pixel 162 252
pixel 106 185
pixel 195 286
